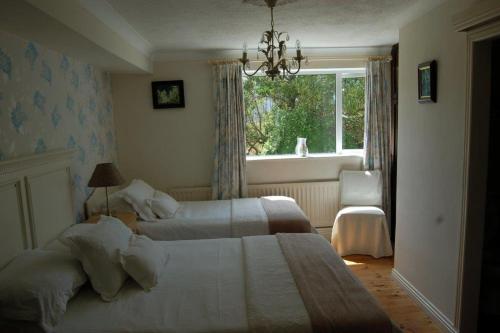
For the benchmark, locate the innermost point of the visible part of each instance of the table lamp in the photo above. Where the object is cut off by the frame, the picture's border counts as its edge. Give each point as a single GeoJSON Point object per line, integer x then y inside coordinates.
{"type": "Point", "coordinates": [105, 175]}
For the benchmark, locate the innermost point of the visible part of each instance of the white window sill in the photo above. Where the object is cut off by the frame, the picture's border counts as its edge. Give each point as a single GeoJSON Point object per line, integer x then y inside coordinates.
{"type": "Point", "coordinates": [345, 153]}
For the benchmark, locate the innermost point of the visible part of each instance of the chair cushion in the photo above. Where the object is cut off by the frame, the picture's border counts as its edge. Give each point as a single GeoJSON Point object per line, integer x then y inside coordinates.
{"type": "Point", "coordinates": [361, 230]}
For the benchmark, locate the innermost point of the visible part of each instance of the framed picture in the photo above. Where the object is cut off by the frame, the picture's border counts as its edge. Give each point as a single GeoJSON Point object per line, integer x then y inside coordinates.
{"type": "Point", "coordinates": [427, 82]}
{"type": "Point", "coordinates": [168, 94]}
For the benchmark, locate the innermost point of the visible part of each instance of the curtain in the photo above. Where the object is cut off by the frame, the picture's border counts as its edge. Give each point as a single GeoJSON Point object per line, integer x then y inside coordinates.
{"type": "Point", "coordinates": [229, 178]}
{"type": "Point", "coordinates": [377, 136]}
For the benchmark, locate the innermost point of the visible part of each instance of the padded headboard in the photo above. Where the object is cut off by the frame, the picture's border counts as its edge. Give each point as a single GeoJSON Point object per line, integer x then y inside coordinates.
{"type": "Point", "coordinates": [36, 201]}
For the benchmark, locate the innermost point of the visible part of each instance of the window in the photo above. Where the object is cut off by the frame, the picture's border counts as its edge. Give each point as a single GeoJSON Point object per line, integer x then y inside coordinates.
{"type": "Point", "coordinates": [325, 107]}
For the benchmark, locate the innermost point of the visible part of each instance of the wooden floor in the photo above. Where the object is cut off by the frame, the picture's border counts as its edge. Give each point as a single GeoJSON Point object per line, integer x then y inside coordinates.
{"type": "Point", "coordinates": [376, 276]}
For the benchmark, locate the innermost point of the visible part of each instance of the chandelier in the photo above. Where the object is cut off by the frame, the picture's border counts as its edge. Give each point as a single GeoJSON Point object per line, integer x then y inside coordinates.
{"type": "Point", "coordinates": [273, 46]}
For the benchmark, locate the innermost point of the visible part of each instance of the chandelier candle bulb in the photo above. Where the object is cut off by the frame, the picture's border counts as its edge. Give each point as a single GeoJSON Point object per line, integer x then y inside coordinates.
{"type": "Point", "coordinates": [244, 59]}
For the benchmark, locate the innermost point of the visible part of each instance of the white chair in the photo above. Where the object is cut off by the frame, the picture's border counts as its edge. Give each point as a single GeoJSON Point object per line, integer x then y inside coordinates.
{"type": "Point", "coordinates": [360, 226]}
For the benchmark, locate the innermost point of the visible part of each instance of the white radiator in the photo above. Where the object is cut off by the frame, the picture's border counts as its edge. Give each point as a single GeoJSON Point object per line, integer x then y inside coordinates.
{"type": "Point", "coordinates": [318, 200]}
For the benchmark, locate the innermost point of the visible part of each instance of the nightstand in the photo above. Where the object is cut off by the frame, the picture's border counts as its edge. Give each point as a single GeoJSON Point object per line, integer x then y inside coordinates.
{"type": "Point", "coordinates": [128, 218]}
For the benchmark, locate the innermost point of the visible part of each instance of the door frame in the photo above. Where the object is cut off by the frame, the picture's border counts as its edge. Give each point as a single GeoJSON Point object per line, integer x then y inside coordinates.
{"type": "Point", "coordinates": [481, 24]}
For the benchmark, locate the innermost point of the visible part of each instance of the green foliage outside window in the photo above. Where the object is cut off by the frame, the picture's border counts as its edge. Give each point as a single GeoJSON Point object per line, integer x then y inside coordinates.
{"type": "Point", "coordinates": [279, 111]}
{"type": "Point", "coordinates": [353, 116]}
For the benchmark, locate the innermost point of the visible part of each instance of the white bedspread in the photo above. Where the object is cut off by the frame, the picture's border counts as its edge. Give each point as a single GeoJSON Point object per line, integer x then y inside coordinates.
{"type": "Point", "coordinates": [248, 218]}
{"type": "Point", "coordinates": [218, 285]}
{"type": "Point", "coordinates": [197, 210]}
{"type": "Point", "coordinates": [274, 303]}
{"type": "Point", "coordinates": [201, 290]}
{"type": "Point", "coordinates": [210, 219]}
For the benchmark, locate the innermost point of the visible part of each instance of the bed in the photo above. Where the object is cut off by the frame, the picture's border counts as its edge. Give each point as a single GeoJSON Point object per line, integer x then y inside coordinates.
{"type": "Point", "coordinates": [217, 218]}
{"type": "Point", "coordinates": [236, 285]}
{"type": "Point", "coordinates": [278, 283]}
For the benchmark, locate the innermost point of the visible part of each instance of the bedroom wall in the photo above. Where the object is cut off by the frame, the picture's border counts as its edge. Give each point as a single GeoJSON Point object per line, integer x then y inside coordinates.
{"type": "Point", "coordinates": [430, 160]}
{"type": "Point", "coordinates": [51, 101]}
{"type": "Point", "coordinates": [165, 147]}
{"type": "Point", "coordinates": [174, 147]}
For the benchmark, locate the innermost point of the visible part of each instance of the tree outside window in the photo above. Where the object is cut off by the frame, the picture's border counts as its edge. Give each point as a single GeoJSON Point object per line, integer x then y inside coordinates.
{"type": "Point", "coordinates": [279, 111]}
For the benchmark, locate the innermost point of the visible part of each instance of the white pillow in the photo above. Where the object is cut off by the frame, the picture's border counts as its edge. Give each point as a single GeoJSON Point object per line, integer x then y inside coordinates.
{"type": "Point", "coordinates": [136, 194]}
{"type": "Point", "coordinates": [98, 249]}
{"type": "Point", "coordinates": [163, 205]}
{"type": "Point", "coordinates": [144, 260]}
{"type": "Point", "coordinates": [37, 285]}
{"type": "Point", "coordinates": [75, 229]}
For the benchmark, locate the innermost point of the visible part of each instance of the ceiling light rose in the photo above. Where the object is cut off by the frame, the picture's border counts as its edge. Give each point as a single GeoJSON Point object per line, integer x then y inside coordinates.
{"type": "Point", "coordinates": [273, 46]}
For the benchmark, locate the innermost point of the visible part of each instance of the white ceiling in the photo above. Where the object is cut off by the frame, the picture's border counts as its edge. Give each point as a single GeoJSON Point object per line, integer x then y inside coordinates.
{"type": "Point", "coordinates": [194, 25]}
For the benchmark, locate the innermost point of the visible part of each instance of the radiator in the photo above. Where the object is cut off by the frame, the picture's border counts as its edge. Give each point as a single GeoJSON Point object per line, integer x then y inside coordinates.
{"type": "Point", "coordinates": [318, 200]}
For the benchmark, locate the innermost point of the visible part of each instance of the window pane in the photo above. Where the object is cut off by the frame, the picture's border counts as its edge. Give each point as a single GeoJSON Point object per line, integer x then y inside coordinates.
{"type": "Point", "coordinates": [353, 112]}
{"type": "Point", "coordinates": [279, 111]}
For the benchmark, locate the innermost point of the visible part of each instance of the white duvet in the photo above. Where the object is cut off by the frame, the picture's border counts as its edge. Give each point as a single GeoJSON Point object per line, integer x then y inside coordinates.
{"type": "Point", "coordinates": [218, 285]}
{"type": "Point", "coordinates": [210, 219]}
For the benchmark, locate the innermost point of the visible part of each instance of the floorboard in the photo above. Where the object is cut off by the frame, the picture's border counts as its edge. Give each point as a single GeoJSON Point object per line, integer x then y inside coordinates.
{"type": "Point", "coordinates": [376, 276]}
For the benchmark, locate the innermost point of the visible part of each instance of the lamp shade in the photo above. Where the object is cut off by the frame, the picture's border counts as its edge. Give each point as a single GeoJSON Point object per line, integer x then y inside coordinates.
{"type": "Point", "coordinates": [105, 174]}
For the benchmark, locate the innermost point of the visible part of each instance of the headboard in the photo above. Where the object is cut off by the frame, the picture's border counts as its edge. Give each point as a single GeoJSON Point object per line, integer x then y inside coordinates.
{"type": "Point", "coordinates": [36, 201]}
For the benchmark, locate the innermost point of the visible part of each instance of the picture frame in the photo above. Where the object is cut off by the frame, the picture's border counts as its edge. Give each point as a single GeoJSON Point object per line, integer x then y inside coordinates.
{"type": "Point", "coordinates": [427, 82]}
{"type": "Point", "coordinates": [168, 94]}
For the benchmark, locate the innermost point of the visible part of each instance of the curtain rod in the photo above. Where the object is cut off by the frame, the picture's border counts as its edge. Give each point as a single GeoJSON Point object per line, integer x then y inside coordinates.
{"type": "Point", "coordinates": [381, 58]}
{"type": "Point", "coordinates": [310, 59]}
{"type": "Point", "coordinates": [223, 61]}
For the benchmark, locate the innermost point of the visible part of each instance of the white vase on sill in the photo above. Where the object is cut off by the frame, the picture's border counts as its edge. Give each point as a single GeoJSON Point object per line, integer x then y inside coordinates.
{"type": "Point", "coordinates": [301, 148]}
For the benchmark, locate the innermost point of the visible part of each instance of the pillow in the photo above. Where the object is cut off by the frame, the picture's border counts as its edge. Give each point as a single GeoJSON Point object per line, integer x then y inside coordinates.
{"type": "Point", "coordinates": [144, 261]}
{"type": "Point", "coordinates": [36, 286]}
{"type": "Point", "coordinates": [75, 229]}
{"type": "Point", "coordinates": [98, 249]}
{"type": "Point", "coordinates": [136, 194]}
{"type": "Point", "coordinates": [163, 205]}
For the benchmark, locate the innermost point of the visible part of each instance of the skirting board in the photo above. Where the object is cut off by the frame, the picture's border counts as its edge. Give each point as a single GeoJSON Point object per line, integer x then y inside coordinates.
{"type": "Point", "coordinates": [439, 318]}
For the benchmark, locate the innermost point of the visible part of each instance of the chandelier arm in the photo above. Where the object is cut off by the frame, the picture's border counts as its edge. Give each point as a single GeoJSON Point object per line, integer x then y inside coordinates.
{"type": "Point", "coordinates": [296, 72]}
{"type": "Point", "coordinates": [256, 71]}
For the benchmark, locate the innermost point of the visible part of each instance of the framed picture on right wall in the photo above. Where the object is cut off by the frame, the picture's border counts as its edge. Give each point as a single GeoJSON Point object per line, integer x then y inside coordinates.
{"type": "Point", "coordinates": [427, 82]}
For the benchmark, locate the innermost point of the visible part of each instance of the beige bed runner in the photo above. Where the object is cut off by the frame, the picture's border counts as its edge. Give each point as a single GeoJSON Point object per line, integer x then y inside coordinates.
{"type": "Point", "coordinates": [284, 215]}
{"type": "Point", "coordinates": [334, 298]}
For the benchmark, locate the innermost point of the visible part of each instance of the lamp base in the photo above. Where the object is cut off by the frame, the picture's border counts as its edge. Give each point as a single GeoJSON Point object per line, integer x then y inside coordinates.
{"type": "Point", "coordinates": [107, 202]}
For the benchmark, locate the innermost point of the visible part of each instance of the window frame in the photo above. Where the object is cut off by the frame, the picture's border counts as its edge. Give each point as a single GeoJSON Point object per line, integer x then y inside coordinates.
{"type": "Point", "coordinates": [339, 73]}
{"type": "Point", "coordinates": [339, 108]}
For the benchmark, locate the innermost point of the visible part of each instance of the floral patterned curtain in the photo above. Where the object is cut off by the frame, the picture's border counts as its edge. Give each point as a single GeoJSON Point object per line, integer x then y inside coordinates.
{"type": "Point", "coordinates": [229, 178]}
{"type": "Point", "coordinates": [378, 126]}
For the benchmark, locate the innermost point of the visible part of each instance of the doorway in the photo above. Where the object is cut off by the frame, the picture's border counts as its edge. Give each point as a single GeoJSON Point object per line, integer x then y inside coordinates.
{"type": "Point", "coordinates": [489, 297]}
{"type": "Point", "coordinates": [479, 304]}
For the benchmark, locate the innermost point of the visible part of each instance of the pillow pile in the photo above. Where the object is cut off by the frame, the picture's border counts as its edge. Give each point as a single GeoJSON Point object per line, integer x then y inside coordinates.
{"type": "Point", "coordinates": [98, 249]}
{"type": "Point", "coordinates": [163, 205]}
{"type": "Point", "coordinates": [136, 195]}
{"type": "Point", "coordinates": [37, 285]}
{"type": "Point", "coordinates": [148, 202]}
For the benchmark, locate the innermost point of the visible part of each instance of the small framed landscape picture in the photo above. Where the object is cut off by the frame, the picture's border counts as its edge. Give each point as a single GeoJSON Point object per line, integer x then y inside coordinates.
{"type": "Point", "coordinates": [168, 94]}
{"type": "Point", "coordinates": [427, 82]}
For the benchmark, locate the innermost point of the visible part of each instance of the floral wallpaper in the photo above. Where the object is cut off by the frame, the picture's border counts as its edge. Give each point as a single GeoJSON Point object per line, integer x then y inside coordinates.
{"type": "Point", "coordinates": [51, 101]}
